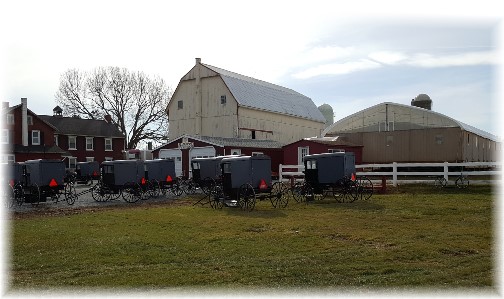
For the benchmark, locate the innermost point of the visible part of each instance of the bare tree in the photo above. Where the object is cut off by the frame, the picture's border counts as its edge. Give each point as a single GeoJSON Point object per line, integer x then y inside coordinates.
{"type": "Point", "coordinates": [135, 102]}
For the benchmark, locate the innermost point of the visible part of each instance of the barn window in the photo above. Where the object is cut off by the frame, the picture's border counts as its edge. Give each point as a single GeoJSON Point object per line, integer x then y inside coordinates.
{"type": "Point", "coordinates": [253, 135]}
{"type": "Point", "coordinates": [10, 119]}
{"type": "Point", "coordinates": [180, 105]}
{"type": "Point", "coordinates": [72, 142]}
{"type": "Point", "coordinates": [439, 139]}
{"type": "Point", "coordinates": [223, 100]}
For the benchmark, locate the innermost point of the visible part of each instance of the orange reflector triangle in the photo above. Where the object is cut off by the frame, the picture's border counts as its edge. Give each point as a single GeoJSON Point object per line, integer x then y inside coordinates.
{"type": "Point", "coordinates": [143, 181]}
{"type": "Point", "coordinates": [95, 173]}
{"type": "Point", "coordinates": [263, 185]}
{"type": "Point", "coordinates": [169, 178]}
{"type": "Point", "coordinates": [53, 183]}
{"type": "Point", "coordinates": [353, 176]}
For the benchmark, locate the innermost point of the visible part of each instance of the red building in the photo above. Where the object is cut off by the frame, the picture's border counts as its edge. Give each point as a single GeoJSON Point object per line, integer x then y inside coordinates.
{"type": "Point", "coordinates": [186, 147]}
{"type": "Point", "coordinates": [31, 136]}
{"type": "Point", "coordinates": [293, 153]}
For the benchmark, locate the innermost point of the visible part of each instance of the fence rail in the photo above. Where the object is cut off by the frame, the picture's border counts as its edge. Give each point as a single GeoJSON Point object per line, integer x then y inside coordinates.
{"type": "Point", "coordinates": [392, 170]}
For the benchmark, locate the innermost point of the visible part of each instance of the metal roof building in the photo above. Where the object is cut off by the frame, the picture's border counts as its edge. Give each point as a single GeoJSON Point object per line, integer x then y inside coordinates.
{"type": "Point", "coordinates": [210, 101]}
{"type": "Point", "coordinates": [392, 132]}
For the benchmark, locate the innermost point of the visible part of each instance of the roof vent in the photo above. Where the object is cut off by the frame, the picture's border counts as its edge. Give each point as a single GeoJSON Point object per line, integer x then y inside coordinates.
{"type": "Point", "coordinates": [422, 101]}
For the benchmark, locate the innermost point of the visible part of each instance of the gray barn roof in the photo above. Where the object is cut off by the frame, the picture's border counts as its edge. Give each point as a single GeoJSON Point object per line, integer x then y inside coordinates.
{"type": "Point", "coordinates": [261, 95]}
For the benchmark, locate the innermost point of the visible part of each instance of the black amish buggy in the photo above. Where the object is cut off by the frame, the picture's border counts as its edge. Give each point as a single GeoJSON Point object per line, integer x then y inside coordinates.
{"type": "Point", "coordinates": [86, 172]}
{"type": "Point", "coordinates": [41, 179]}
{"type": "Point", "coordinates": [245, 179]}
{"type": "Point", "coordinates": [161, 177]}
{"type": "Point", "coordinates": [206, 172]}
{"type": "Point", "coordinates": [331, 173]}
{"type": "Point", "coordinates": [120, 178]}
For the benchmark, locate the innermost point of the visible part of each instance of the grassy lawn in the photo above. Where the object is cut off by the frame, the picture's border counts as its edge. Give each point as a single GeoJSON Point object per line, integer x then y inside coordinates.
{"type": "Point", "coordinates": [413, 238]}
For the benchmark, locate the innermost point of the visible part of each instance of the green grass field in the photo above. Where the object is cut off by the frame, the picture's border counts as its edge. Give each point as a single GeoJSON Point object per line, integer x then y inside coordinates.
{"type": "Point", "coordinates": [412, 238]}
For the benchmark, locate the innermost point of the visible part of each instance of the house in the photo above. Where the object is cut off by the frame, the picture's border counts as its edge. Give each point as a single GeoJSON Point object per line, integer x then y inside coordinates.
{"type": "Point", "coordinates": [26, 136]}
{"type": "Point", "coordinates": [293, 153]}
{"type": "Point", "coordinates": [86, 139]}
{"type": "Point", "coordinates": [213, 102]}
{"type": "Point", "coordinates": [392, 132]}
{"type": "Point", "coordinates": [186, 147]}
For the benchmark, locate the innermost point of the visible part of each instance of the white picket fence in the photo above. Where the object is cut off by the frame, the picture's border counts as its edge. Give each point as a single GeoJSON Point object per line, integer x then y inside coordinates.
{"type": "Point", "coordinates": [286, 173]}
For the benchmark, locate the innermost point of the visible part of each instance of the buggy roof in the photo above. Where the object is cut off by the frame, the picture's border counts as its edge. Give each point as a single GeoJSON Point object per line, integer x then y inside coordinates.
{"type": "Point", "coordinates": [326, 155]}
{"type": "Point", "coordinates": [244, 158]}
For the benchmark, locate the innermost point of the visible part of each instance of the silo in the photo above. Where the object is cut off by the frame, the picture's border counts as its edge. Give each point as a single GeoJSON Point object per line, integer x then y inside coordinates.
{"type": "Point", "coordinates": [328, 113]}
{"type": "Point", "coordinates": [423, 101]}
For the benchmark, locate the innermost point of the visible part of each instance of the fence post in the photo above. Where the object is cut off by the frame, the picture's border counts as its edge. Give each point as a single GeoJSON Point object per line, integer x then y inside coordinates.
{"type": "Point", "coordinates": [445, 170]}
{"type": "Point", "coordinates": [394, 174]}
{"type": "Point", "coordinates": [280, 168]}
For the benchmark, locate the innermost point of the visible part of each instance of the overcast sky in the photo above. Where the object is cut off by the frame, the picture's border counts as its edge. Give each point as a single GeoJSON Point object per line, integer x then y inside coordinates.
{"type": "Point", "coordinates": [350, 57]}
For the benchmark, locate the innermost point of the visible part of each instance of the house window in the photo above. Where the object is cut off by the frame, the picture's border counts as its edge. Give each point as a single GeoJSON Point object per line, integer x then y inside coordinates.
{"type": "Point", "coordinates": [89, 159]}
{"type": "Point", "coordinates": [56, 142]}
{"type": "Point", "coordinates": [108, 144]}
{"type": "Point", "coordinates": [223, 100]}
{"type": "Point", "coordinates": [35, 137]}
{"type": "Point", "coordinates": [335, 150]}
{"type": "Point", "coordinates": [180, 105]}
{"type": "Point", "coordinates": [10, 119]}
{"type": "Point", "coordinates": [109, 158]}
{"type": "Point", "coordinates": [72, 142]}
{"type": "Point", "coordinates": [89, 143]}
{"type": "Point", "coordinates": [257, 153]}
{"type": "Point", "coordinates": [29, 118]}
{"type": "Point", "coordinates": [72, 162]}
{"type": "Point", "coordinates": [236, 151]}
{"type": "Point", "coordinates": [439, 139]}
{"type": "Point", "coordinates": [302, 151]}
{"type": "Point", "coordinates": [4, 138]}
{"type": "Point", "coordinates": [8, 158]}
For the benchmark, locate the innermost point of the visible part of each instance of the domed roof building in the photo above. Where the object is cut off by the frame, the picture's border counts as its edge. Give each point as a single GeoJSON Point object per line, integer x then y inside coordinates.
{"type": "Point", "coordinates": [392, 132]}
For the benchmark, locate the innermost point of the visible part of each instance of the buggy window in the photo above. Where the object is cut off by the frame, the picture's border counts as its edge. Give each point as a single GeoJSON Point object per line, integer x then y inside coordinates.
{"type": "Point", "coordinates": [226, 167]}
{"type": "Point", "coordinates": [311, 164]}
{"type": "Point", "coordinates": [195, 165]}
{"type": "Point", "coordinates": [108, 169]}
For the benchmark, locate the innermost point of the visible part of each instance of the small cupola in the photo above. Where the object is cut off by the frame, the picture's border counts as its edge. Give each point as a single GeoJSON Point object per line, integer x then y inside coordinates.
{"type": "Point", "coordinates": [57, 111]}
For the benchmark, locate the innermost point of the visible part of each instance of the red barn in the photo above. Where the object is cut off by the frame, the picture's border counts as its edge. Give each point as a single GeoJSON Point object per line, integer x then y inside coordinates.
{"type": "Point", "coordinates": [186, 147]}
{"type": "Point", "coordinates": [293, 153]}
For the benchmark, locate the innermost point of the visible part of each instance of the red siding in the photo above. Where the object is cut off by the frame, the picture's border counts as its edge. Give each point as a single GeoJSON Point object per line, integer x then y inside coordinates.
{"type": "Point", "coordinates": [290, 151]}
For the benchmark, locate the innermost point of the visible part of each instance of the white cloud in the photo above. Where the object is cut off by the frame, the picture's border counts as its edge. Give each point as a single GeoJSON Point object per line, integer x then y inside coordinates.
{"type": "Point", "coordinates": [337, 68]}
{"type": "Point", "coordinates": [388, 57]}
{"type": "Point", "coordinates": [462, 59]}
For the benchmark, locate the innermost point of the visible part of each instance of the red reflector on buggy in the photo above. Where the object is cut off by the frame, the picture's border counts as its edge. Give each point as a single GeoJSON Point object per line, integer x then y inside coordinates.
{"type": "Point", "coordinates": [11, 183]}
{"type": "Point", "coordinates": [353, 176]}
{"type": "Point", "coordinates": [143, 181]}
{"type": "Point", "coordinates": [263, 185]}
{"type": "Point", "coordinates": [95, 173]}
{"type": "Point", "coordinates": [53, 183]}
{"type": "Point", "coordinates": [169, 178]}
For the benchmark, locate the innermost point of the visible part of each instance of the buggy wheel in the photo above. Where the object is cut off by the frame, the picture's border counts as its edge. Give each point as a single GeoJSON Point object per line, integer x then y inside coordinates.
{"type": "Point", "coordinates": [246, 197]}
{"type": "Point", "coordinates": [19, 194]}
{"type": "Point", "coordinates": [176, 189]}
{"type": "Point", "coordinates": [365, 187]}
{"type": "Point", "coordinates": [462, 182]}
{"type": "Point", "coordinates": [132, 192]}
{"type": "Point", "coordinates": [351, 191]}
{"type": "Point", "coordinates": [190, 187]}
{"type": "Point", "coordinates": [207, 185]}
{"type": "Point", "coordinates": [278, 196]}
{"type": "Point", "coordinates": [154, 188]}
{"type": "Point", "coordinates": [216, 197]}
{"type": "Point", "coordinates": [298, 192]}
{"type": "Point", "coordinates": [70, 193]}
{"type": "Point", "coordinates": [100, 193]}
{"type": "Point", "coordinates": [35, 194]}
{"type": "Point", "coordinates": [440, 182]}
{"type": "Point", "coordinates": [308, 192]}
